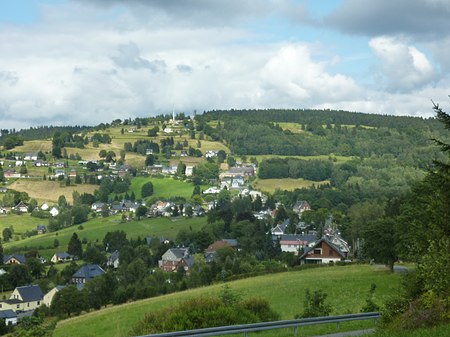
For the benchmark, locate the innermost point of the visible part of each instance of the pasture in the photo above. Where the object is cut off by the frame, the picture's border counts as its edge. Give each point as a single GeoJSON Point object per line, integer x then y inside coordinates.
{"type": "Point", "coordinates": [95, 229]}
{"type": "Point", "coordinates": [346, 286]}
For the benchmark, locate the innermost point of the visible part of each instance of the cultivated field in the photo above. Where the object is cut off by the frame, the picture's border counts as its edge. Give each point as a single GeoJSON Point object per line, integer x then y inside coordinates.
{"type": "Point", "coordinates": [45, 190]}
{"type": "Point", "coordinates": [347, 288]}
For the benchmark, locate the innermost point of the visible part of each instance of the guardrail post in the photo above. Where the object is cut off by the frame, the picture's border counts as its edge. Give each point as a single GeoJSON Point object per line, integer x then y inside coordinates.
{"type": "Point", "coordinates": [296, 331]}
{"type": "Point", "coordinates": [338, 325]}
{"type": "Point", "coordinates": [245, 334]}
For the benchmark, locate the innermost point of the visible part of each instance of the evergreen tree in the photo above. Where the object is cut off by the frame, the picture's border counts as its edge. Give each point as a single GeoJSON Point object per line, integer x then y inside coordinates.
{"type": "Point", "coordinates": [74, 247]}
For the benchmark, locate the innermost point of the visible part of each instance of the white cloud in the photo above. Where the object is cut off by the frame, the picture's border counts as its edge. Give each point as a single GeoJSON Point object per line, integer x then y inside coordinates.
{"type": "Point", "coordinates": [74, 68]}
{"type": "Point", "coordinates": [293, 74]}
{"type": "Point", "coordinates": [403, 67]}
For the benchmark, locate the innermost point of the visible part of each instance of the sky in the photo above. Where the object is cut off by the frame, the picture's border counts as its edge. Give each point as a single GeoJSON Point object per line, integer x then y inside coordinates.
{"type": "Point", "coordinates": [84, 62]}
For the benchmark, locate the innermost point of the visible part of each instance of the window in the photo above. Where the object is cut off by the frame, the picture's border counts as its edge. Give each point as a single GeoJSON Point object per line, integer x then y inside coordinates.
{"type": "Point", "coordinates": [39, 303]}
{"type": "Point", "coordinates": [318, 251]}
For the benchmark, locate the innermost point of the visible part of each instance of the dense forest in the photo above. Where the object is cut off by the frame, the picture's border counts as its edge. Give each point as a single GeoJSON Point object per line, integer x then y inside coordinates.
{"type": "Point", "coordinates": [257, 132]}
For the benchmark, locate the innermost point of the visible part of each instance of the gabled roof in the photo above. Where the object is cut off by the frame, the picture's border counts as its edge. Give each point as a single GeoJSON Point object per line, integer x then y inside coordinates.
{"type": "Point", "coordinates": [5, 314]}
{"type": "Point", "coordinates": [18, 257]}
{"type": "Point", "coordinates": [333, 246]}
{"type": "Point", "coordinates": [179, 252]}
{"type": "Point", "coordinates": [30, 293]}
{"type": "Point", "coordinates": [89, 272]}
{"type": "Point", "coordinates": [63, 255]}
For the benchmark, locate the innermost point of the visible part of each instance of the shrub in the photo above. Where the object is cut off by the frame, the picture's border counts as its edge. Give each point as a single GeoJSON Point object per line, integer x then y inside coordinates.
{"type": "Point", "coordinates": [203, 312]}
{"type": "Point", "coordinates": [314, 304]}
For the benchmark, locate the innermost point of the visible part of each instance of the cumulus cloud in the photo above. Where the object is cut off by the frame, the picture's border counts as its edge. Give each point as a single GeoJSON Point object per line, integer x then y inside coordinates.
{"type": "Point", "coordinates": [86, 64]}
{"type": "Point", "coordinates": [129, 57]}
{"type": "Point", "coordinates": [402, 67]}
{"type": "Point", "coordinates": [292, 74]}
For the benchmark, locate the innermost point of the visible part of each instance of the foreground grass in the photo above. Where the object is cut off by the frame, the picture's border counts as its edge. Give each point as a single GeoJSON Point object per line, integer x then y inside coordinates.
{"type": "Point", "coordinates": [347, 289]}
{"type": "Point", "coordinates": [437, 331]}
{"type": "Point", "coordinates": [96, 229]}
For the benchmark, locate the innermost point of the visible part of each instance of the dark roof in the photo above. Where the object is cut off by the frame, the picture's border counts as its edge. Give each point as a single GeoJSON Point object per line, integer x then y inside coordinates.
{"type": "Point", "coordinates": [180, 252]}
{"type": "Point", "coordinates": [295, 237]}
{"type": "Point", "coordinates": [336, 248]}
{"type": "Point", "coordinates": [89, 272]}
{"type": "Point", "coordinates": [63, 255]}
{"type": "Point", "coordinates": [18, 257]}
{"type": "Point", "coordinates": [7, 314]}
{"type": "Point", "coordinates": [30, 293]}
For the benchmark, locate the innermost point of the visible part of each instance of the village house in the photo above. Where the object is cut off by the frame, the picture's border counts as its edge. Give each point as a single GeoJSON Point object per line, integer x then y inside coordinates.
{"type": "Point", "coordinates": [87, 273]}
{"type": "Point", "coordinates": [175, 258]}
{"type": "Point", "coordinates": [30, 156]}
{"type": "Point", "coordinates": [54, 211]}
{"type": "Point", "coordinates": [293, 243]}
{"type": "Point", "coordinates": [113, 260]}
{"type": "Point", "coordinates": [243, 171]}
{"type": "Point", "coordinates": [61, 257]}
{"type": "Point", "coordinates": [322, 252]}
{"type": "Point", "coordinates": [48, 297]}
{"type": "Point", "coordinates": [24, 298]}
{"type": "Point", "coordinates": [21, 207]}
{"type": "Point", "coordinates": [301, 206]}
{"type": "Point", "coordinates": [41, 229]}
{"type": "Point", "coordinates": [9, 317]}
{"type": "Point", "coordinates": [14, 259]}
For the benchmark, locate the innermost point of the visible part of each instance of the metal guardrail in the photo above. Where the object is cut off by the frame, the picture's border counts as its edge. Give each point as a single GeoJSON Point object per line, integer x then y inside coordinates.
{"type": "Point", "coordinates": [246, 328]}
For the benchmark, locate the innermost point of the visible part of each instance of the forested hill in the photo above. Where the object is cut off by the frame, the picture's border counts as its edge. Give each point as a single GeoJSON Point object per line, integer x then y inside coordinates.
{"type": "Point", "coordinates": [339, 117]}
{"type": "Point", "coordinates": [321, 132]}
{"type": "Point", "coordinates": [41, 132]}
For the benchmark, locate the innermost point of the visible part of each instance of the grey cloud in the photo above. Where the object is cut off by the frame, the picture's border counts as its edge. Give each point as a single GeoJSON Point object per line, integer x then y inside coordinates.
{"type": "Point", "coordinates": [194, 12]}
{"type": "Point", "coordinates": [184, 68]}
{"type": "Point", "coordinates": [9, 78]}
{"type": "Point", "coordinates": [422, 19]}
{"type": "Point", "coordinates": [129, 57]}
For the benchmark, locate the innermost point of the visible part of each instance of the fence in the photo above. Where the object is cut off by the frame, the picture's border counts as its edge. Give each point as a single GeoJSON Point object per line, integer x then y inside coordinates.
{"type": "Point", "coordinates": [247, 328]}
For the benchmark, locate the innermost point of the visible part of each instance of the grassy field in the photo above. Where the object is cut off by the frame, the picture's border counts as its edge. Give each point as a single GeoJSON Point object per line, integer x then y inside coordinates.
{"type": "Point", "coordinates": [33, 146]}
{"type": "Point", "coordinates": [46, 190]}
{"type": "Point", "coordinates": [20, 223]}
{"type": "Point", "coordinates": [293, 127]}
{"type": "Point", "coordinates": [163, 187]}
{"type": "Point", "coordinates": [271, 185]}
{"type": "Point", "coordinates": [347, 288]}
{"type": "Point", "coordinates": [96, 229]}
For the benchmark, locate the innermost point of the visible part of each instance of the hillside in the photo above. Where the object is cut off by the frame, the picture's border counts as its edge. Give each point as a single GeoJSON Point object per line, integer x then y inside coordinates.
{"type": "Point", "coordinates": [347, 288]}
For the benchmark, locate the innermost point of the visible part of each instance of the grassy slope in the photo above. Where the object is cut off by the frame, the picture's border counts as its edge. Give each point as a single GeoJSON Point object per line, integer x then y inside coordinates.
{"type": "Point", "coordinates": [163, 187]}
{"type": "Point", "coordinates": [347, 288]}
{"type": "Point", "coordinates": [20, 223]}
{"type": "Point", "coordinates": [97, 228]}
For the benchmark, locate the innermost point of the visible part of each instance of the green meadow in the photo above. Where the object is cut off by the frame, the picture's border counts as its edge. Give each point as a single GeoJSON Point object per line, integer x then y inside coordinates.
{"type": "Point", "coordinates": [96, 229]}
{"type": "Point", "coordinates": [347, 288]}
{"type": "Point", "coordinates": [163, 188]}
{"type": "Point", "coordinates": [20, 223]}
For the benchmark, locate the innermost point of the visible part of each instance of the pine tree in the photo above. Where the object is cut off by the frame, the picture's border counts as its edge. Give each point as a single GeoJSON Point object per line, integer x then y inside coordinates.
{"type": "Point", "coordinates": [74, 247]}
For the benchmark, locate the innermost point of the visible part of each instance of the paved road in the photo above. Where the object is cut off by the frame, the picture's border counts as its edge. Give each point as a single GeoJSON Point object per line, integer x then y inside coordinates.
{"type": "Point", "coordinates": [350, 333]}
